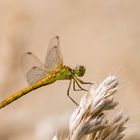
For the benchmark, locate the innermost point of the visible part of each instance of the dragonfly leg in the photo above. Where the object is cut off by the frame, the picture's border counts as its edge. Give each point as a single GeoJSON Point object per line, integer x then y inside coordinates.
{"type": "Point", "coordinates": [82, 82]}
{"type": "Point", "coordinates": [68, 94]}
{"type": "Point", "coordinates": [76, 81]}
{"type": "Point", "coordinates": [74, 87]}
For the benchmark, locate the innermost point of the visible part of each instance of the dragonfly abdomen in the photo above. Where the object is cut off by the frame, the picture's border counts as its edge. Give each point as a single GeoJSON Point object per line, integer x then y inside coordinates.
{"type": "Point", "coordinates": [15, 96]}
{"type": "Point", "coordinates": [63, 74]}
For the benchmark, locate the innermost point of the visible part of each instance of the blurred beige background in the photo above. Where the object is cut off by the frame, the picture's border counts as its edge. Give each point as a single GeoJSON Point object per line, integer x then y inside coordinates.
{"type": "Point", "coordinates": [102, 35]}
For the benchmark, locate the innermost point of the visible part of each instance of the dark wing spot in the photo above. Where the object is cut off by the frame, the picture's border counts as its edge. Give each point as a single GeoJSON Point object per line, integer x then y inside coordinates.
{"type": "Point", "coordinates": [34, 67]}
{"type": "Point", "coordinates": [57, 37]}
{"type": "Point", "coordinates": [29, 53]}
{"type": "Point", "coordinates": [55, 47]}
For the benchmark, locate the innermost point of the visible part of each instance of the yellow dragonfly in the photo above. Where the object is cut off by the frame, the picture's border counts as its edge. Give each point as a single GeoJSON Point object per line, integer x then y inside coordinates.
{"type": "Point", "coordinates": [39, 74]}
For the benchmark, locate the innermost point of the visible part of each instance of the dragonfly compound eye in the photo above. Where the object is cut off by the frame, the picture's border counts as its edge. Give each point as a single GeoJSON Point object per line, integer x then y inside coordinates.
{"type": "Point", "coordinates": [80, 70]}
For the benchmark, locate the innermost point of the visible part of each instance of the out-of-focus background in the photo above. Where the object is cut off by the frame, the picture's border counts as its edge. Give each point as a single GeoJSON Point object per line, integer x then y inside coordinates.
{"type": "Point", "coordinates": [102, 35]}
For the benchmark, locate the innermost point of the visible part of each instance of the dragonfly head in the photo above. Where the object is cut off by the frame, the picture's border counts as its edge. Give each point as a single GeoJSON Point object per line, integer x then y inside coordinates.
{"type": "Point", "coordinates": [79, 70]}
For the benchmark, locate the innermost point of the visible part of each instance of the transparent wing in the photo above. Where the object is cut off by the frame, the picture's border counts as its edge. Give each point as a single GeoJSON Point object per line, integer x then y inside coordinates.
{"type": "Point", "coordinates": [34, 70]}
{"type": "Point", "coordinates": [54, 58]}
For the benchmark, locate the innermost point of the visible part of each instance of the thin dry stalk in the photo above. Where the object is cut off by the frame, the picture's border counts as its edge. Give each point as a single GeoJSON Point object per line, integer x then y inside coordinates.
{"type": "Point", "coordinates": [90, 121]}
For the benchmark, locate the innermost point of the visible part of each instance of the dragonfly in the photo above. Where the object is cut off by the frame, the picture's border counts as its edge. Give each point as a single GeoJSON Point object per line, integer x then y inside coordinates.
{"type": "Point", "coordinates": [40, 74]}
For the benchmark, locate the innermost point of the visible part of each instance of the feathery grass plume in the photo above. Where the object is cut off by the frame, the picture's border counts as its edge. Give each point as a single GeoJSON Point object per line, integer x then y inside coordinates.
{"type": "Point", "coordinates": [55, 138]}
{"type": "Point", "coordinates": [90, 121]}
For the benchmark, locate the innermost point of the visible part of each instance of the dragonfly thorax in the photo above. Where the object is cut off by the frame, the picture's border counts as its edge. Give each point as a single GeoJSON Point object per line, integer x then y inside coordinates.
{"type": "Point", "coordinates": [79, 70]}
